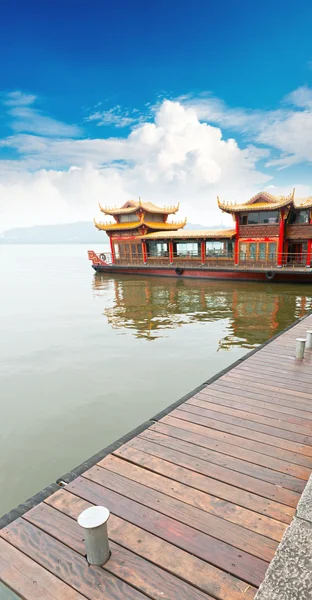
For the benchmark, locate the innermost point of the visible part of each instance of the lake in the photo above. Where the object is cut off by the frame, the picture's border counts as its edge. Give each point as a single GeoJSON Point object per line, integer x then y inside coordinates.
{"type": "Point", "coordinates": [84, 358]}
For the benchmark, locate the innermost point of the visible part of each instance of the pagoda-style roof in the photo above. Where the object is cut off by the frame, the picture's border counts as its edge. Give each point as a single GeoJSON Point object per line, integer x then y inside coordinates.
{"type": "Point", "coordinates": [187, 234]}
{"type": "Point", "coordinates": [303, 202]}
{"type": "Point", "coordinates": [132, 206]}
{"type": "Point", "coordinates": [260, 202]}
{"type": "Point", "coordinates": [136, 224]}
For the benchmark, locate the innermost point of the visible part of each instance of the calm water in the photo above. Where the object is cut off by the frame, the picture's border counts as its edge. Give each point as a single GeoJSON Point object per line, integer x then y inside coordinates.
{"type": "Point", "coordinates": [85, 358]}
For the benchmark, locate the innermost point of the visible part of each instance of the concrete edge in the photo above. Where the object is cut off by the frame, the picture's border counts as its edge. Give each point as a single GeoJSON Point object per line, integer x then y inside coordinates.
{"type": "Point", "coordinates": [304, 508]}
{"type": "Point", "coordinates": [289, 573]}
{"type": "Point", "coordinates": [22, 508]}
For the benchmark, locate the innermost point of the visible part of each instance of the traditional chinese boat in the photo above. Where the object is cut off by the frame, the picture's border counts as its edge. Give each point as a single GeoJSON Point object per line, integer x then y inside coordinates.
{"type": "Point", "coordinates": [271, 240]}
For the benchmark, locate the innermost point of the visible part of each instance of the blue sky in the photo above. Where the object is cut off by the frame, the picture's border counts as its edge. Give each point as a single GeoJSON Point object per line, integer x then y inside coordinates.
{"type": "Point", "coordinates": [171, 100]}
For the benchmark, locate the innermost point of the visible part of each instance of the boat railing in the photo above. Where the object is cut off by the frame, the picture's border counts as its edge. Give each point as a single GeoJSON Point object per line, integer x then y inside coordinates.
{"type": "Point", "coordinates": [222, 260]}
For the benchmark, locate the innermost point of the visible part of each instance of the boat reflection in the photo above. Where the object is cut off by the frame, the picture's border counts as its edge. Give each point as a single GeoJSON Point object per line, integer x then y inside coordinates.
{"type": "Point", "coordinates": [252, 313]}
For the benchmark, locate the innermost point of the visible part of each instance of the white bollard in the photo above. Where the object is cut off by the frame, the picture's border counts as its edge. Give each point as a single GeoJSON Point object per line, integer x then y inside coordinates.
{"type": "Point", "coordinates": [309, 340]}
{"type": "Point", "coordinates": [300, 347]}
{"type": "Point", "coordinates": [94, 522]}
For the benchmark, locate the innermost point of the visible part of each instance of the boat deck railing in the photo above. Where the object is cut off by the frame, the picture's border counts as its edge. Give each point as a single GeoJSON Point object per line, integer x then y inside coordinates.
{"type": "Point", "coordinates": [289, 261]}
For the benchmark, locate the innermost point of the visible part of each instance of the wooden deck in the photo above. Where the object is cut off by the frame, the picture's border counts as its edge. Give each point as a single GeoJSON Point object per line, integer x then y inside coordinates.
{"type": "Point", "coordinates": [199, 501]}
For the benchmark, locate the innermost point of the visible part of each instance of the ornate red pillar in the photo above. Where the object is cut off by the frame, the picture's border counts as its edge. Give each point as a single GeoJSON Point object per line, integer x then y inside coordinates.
{"type": "Point", "coordinates": [308, 262]}
{"type": "Point", "coordinates": [171, 252]}
{"type": "Point", "coordinates": [112, 249]}
{"type": "Point", "coordinates": [236, 243]}
{"type": "Point", "coordinates": [203, 251]}
{"type": "Point", "coordinates": [144, 252]}
{"type": "Point", "coordinates": [281, 239]}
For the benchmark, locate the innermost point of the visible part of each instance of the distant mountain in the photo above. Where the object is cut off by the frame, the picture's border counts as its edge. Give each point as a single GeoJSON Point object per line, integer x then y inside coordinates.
{"type": "Point", "coordinates": [197, 226]}
{"type": "Point", "coordinates": [83, 232]}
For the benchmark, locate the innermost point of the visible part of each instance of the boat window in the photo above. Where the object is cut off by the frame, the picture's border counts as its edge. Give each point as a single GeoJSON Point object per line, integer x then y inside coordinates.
{"type": "Point", "coordinates": [116, 250]}
{"type": "Point", "coordinates": [157, 248]}
{"type": "Point", "coordinates": [229, 248]}
{"type": "Point", "coordinates": [269, 216]}
{"type": "Point", "coordinates": [253, 218]}
{"type": "Point", "coordinates": [272, 251]}
{"type": "Point", "coordinates": [299, 216]}
{"type": "Point", "coordinates": [242, 251]}
{"type": "Point", "coordinates": [214, 248]}
{"type": "Point", "coordinates": [262, 250]}
{"type": "Point", "coordinates": [188, 249]}
{"type": "Point", "coordinates": [252, 251]}
{"type": "Point", "coordinates": [132, 218]}
{"type": "Point", "coordinates": [154, 217]}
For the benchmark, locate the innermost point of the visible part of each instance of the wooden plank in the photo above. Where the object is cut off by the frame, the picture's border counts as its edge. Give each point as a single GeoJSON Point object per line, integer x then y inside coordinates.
{"type": "Point", "coordinates": [243, 432]}
{"type": "Point", "coordinates": [235, 451]}
{"type": "Point", "coordinates": [237, 562]}
{"type": "Point", "coordinates": [235, 440]}
{"type": "Point", "coordinates": [207, 503]}
{"type": "Point", "coordinates": [269, 510]}
{"type": "Point", "coordinates": [243, 415]}
{"type": "Point", "coordinates": [193, 457]}
{"type": "Point", "coordinates": [298, 379]}
{"type": "Point", "coordinates": [131, 568]}
{"type": "Point", "coordinates": [299, 400]}
{"type": "Point", "coordinates": [289, 366]}
{"type": "Point", "coordinates": [296, 406]}
{"type": "Point", "coordinates": [286, 363]}
{"type": "Point", "coordinates": [235, 464]}
{"type": "Point", "coordinates": [278, 382]}
{"type": "Point", "coordinates": [202, 401]}
{"type": "Point", "coordinates": [197, 572]}
{"type": "Point", "coordinates": [237, 536]}
{"type": "Point", "coordinates": [30, 581]}
{"type": "Point", "coordinates": [92, 582]}
{"type": "Point", "coordinates": [249, 424]}
{"type": "Point", "coordinates": [264, 406]}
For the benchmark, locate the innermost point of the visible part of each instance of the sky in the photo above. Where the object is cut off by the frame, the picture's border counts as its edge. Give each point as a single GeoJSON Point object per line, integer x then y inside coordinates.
{"type": "Point", "coordinates": [170, 101]}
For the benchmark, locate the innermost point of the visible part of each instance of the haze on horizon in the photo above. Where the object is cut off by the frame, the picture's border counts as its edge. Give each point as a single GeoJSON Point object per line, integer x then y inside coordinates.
{"type": "Point", "coordinates": [179, 103]}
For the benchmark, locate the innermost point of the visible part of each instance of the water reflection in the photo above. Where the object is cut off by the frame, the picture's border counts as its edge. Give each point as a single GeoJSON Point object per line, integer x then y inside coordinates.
{"type": "Point", "coordinates": [252, 312]}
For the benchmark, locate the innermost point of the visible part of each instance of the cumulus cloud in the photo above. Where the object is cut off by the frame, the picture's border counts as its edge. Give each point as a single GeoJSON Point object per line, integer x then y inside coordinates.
{"type": "Point", "coordinates": [181, 155]}
{"type": "Point", "coordinates": [288, 129]}
{"type": "Point", "coordinates": [175, 158]}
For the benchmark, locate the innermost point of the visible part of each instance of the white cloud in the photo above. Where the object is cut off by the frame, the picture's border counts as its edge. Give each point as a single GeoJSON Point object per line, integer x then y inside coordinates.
{"type": "Point", "coordinates": [24, 118]}
{"type": "Point", "coordinates": [287, 129]}
{"type": "Point", "coordinates": [175, 158]}
{"type": "Point", "coordinates": [115, 116]}
{"type": "Point", "coordinates": [18, 99]}
{"type": "Point", "coordinates": [181, 156]}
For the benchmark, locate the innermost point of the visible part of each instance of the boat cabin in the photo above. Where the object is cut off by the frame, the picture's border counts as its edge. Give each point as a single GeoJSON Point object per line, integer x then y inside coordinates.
{"type": "Point", "coordinates": [268, 232]}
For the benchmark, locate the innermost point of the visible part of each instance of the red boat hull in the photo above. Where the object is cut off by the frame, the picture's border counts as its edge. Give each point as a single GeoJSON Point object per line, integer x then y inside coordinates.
{"type": "Point", "coordinates": [238, 274]}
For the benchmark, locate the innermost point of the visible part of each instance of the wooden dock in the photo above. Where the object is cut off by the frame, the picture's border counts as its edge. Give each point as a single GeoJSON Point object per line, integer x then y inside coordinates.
{"type": "Point", "coordinates": [199, 500]}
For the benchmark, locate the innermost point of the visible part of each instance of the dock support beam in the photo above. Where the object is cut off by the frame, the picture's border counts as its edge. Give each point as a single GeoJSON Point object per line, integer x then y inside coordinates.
{"type": "Point", "coordinates": [300, 348]}
{"type": "Point", "coordinates": [93, 520]}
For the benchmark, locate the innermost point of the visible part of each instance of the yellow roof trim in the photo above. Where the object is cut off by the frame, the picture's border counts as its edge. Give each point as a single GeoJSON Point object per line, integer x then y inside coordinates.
{"type": "Point", "coordinates": [303, 202]}
{"type": "Point", "coordinates": [261, 201]}
{"type": "Point", "coordinates": [135, 205]}
{"type": "Point", "coordinates": [136, 224]}
{"type": "Point", "coordinates": [190, 234]}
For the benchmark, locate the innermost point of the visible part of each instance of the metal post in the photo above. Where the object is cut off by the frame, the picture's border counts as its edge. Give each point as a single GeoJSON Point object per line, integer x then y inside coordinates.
{"type": "Point", "coordinates": [300, 347]}
{"type": "Point", "coordinates": [309, 340]}
{"type": "Point", "coordinates": [93, 520]}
